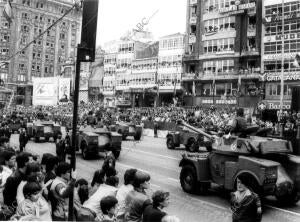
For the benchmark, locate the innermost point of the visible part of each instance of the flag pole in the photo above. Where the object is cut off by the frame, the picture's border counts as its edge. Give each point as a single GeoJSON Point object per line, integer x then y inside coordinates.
{"type": "Point", "coordinates": [282, 59]}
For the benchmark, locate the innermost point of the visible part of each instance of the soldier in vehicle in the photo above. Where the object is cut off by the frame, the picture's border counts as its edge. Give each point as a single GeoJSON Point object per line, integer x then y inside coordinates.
{"type": "Point", "coordinates": [239, 124]}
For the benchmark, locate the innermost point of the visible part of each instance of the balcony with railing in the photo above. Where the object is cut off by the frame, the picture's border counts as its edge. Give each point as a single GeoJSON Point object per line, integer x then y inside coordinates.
{"type": "Point", "coordinates": [250, 51]}
{"type": "Point", "coordinates": [193, 19]}
{"type": "Point", "coordinates": [251, 32]}
{"type": "Point", "coordinates": [193, 2]}
{"type": "Point", "coordinates": [192, 39]}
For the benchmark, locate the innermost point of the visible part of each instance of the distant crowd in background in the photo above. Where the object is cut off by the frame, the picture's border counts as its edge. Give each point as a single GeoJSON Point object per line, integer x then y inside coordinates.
{"type": "Point", "coordinates": [212, 117]}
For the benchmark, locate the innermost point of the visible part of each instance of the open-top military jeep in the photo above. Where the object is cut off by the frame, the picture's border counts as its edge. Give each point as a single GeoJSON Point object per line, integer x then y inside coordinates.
{"type": "Point", "coordinates": [127, 129]}
{"type": "Point", "coordinates": [268, 163]}
{"type": "Point", "coordinates": [92, 141]}
{"type": "Point", "coordinates": [187, 135]}
{"type": "Point", "coordinates": [43, 129]}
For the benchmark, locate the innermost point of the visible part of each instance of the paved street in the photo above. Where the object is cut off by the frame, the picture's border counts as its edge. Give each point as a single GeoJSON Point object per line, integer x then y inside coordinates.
{"type": "Point", "coordinates": [151, 155]}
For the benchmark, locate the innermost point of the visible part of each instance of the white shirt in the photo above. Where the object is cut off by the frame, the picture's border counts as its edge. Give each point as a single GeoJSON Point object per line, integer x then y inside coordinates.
{"type": "Point", "coordinates": [20, 194]}
{"type": "Point", "coordinates": [121, 196]}
{"type": "Point", "coordinates": [93, 203]}
{"type": "Point", "coordinates": [5, 174]}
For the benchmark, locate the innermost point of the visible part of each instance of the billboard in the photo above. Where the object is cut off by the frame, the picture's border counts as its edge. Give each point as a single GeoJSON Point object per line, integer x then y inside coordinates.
{"type": "Point", "coordinates": [45, 91]}
{"type": "Point", "coordinates": [64, 89]}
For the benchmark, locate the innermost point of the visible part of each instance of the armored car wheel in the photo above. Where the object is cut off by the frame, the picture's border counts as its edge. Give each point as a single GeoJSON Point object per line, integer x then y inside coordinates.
{"type": "Point", "coordinates": [188, 179]}
{"type": "Point", "coordinates": [170, 143]}
{"type": "Point", "coordinates": [192, 145]}
{"type": "Point", "coordinates": [84, 151]}
{"type": "Point", "coordinates": [288, 199]}
{"type": "Point", "coordinates": [137, 136]}
{"type": "Point", "coordinates": [116, 154]}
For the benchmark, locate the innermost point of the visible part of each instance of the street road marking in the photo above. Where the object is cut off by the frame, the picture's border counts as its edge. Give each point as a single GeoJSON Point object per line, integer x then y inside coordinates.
{"type": "Point", "coordinates": [170, 178]}
{"type": "Point", "coordinates": [191, 198]}
{"type": "Point", "coordinates": [283, 210]}
{"type": "Point", "coordinates": [158, 155]}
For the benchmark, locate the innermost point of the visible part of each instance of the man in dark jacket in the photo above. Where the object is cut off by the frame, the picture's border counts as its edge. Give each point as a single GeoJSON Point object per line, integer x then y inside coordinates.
{"type": "Point", "coordinates": [23, 139]}
{"type": "Point", "coordinates": [160, 200]}
{"type": "Point", "coordinates": [12, 183]}
{"type": "Point", "coordinates": [61, 149]}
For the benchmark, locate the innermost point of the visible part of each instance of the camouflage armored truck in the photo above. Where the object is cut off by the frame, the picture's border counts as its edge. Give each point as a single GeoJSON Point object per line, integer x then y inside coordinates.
{"type": "Point", "coordinates": [268, 163]}
{"type": "Point", "coordinates": [92, 141]}
{"type": "Point", "coordinates": [127, 129]}
{"type": "Point", "coordinates": [43, 129]}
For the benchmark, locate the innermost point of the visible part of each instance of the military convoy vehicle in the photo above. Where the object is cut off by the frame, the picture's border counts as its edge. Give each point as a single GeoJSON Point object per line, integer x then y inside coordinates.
{"type": "Point", "coordinates": [43, 129]}
{"type": "Point", "coordinates": [127, 129]}
{"type": "Point", "coordinates": [267, 162]}
{"type": "Point", "coordinates": [188, 137]}
{"type": "Point", "coordinates": [92, 141]}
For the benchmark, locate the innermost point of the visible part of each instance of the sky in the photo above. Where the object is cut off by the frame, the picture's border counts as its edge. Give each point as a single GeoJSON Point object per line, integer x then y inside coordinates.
{"type": "Point", "coordinates": [115, 17]}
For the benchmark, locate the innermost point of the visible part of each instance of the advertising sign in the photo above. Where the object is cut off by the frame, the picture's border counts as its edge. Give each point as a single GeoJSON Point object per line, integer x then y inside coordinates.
{"type": "Point", "coordinates": [237, 8]}
{"type": "Point", "coordinates": [290, 36]}
{"type": "Point", "coordinates": [64, 89]}
{"type": "Point", "coordinates": [45, 91]}
{"type": "Point", "coordinates": [291, 76]}
{"type": "Point", "coordinates": [278, 18]}
{"type": "Point", "coordinates": [275, 104]}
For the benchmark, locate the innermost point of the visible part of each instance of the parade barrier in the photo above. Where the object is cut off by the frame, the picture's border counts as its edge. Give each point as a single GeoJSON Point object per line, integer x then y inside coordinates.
{"type": "Point", "coordinates": [160, 133]}
{"type": "Point", "coordinates": [169, 126]}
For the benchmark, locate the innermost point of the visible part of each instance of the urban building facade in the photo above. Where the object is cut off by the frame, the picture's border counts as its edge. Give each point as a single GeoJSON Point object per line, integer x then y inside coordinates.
{"type": "Point", "coordinates": [223, 52]}
{"type": "Point", "coordinates": [47, 56]}
{"type": "Point", "coordinates": [273, 35]}
{"type": "Point", "coordinates": [170, 55]}
{"type": "Point", "coordinates": [143, 73]}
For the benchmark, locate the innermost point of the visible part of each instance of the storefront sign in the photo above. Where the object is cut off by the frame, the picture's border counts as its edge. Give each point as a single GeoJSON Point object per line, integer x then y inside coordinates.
{"type": "Point", "coordinates": [278, 56]}
{"type": "Point", "coordinates": [293, 76]}
{"type": "Point", "coordinates": [278, 18]}
{"type": "Point", "coordinates": [290, 36]}
{"type": "Point", "coordinates": [237, 9]}
{"type": "Point", "coordinates": [276, 105]}
{"type": "Point", "coordinates": [207, 101]}
{"type": "Point", "coordinates": [225, 101]}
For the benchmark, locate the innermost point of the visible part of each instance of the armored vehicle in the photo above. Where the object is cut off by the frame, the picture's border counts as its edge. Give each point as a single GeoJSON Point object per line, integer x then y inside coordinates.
{"type": "Point", "coordinates": [43, 129]}
{"type": "Point", "coordinates": [267, 162]}
{"type": "Point", "coordinates": [91, 141]}
{"type": "Point", "coordinates": [187, 136]}
{"type": "Point", "coordinates": [127, 129]}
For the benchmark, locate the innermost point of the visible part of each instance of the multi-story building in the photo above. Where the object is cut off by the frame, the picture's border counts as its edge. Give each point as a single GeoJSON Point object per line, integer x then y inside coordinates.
{"type": "Point", "coordinates": [170, 54]}
{"type": "Point", "coordinates": [110, 64]}
{"type": "Point", "coordinates": [223, 52]}
{"type": "Point", "coordinates": [124, 59]}
{"type": "Point", "coordinates": [144, 76]}
{"type": "Point", "coordinates": [46, 56]}
{"type": "Point", "coordinates": [272, 58]}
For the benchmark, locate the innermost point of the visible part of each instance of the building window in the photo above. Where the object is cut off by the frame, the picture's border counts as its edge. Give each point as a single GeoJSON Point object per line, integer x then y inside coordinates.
{"type": "Point", "coordinates": [275, 90]}
{"type": "Point", "coordinates": [220, 45]}
{"type": "Point", "coordinates": [218, 67]}
{"type": "Point", "coordinates": [3, 76]}
{"type": "Point", "coordinates": [4, 51]}
{"type": "Point", "coordinates": [24, 28]}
